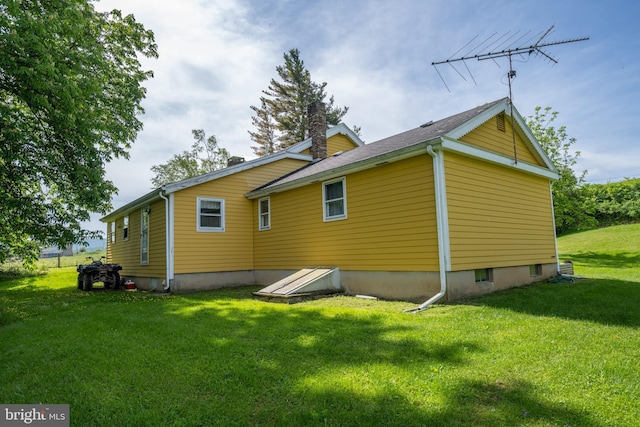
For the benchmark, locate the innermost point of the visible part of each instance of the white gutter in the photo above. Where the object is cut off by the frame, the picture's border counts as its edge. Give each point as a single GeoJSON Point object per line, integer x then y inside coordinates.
{"type": "Point", "coordinates": [167, 242]}
{"type": "Point", "coordinates": [443, 228]}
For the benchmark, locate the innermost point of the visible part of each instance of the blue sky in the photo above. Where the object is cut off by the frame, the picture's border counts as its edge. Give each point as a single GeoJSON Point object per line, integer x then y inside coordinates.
{"type": "Point", "coordinates": [217, 56]}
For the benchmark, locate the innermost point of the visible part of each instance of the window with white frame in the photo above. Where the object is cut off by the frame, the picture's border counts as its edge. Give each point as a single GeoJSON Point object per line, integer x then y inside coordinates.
{"type": "Point", "coordinates": [210, 214]}
{"type": "Point", "coordinates": [334, 199]}
{"type": "Point", "coordinates": [113, 232]}
{"type": "Point", "coordinates": [144, 236]}
{"type": "Point", "coordinates": [264, 213]}
{"type": "Point", "coordinates": [125, 228]}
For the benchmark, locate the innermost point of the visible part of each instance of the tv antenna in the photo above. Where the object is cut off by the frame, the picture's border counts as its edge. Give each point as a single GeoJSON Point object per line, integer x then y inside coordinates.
{"type": "Point", "coordinates": [507, 45]}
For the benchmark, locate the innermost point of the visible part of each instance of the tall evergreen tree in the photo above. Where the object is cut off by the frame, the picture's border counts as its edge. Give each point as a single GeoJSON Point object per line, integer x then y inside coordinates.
{"type": "Point", "coordinates": [265, 134]}
{"type": "Point", "coordinates": [282, 116]}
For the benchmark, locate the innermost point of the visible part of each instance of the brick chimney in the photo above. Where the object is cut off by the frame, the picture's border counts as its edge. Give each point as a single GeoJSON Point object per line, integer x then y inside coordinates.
{"type": "Point", "coordinates": [317, 129]}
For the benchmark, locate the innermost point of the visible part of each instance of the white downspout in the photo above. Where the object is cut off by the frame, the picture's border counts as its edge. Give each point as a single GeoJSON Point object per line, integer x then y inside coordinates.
{"type": "Point", "coordinates": [555, 236]}
{"type": "Point", "coordinates": [441, 222]}
{"type": "Point", "coordinates": [167, 242]}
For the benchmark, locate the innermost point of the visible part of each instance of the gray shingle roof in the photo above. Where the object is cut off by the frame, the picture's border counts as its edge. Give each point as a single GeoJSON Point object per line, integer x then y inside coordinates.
{"type": "Point", "coordinates": [425, 133]}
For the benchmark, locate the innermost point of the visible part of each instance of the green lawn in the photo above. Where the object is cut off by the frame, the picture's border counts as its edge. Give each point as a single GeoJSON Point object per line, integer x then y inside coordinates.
{"type": "Point", "coordinates": [543, 355]}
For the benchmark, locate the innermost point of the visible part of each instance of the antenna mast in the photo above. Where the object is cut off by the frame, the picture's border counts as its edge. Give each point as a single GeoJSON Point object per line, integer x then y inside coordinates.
{"type": "Point", "coordinates": [503, 47]}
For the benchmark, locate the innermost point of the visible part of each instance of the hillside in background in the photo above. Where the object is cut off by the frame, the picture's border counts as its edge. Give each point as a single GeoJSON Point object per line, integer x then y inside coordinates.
{"type": "Point", "coordinates": [93, 245]}
{"type": "Point", "coordinates": [604, 252]}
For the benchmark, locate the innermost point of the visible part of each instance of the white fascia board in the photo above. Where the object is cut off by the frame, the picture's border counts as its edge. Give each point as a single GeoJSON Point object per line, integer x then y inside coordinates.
{"type": "Point", "coordinates": [131, 206]}
{"type": "Point", "coordinates": [343, 129]}
{"type": "Point", "coordinates": [478, 120]}
{"type": "Point", "coordinates": [390, 157]}
{"type": "Point", "coordinates": [181, 185]}
{"type": "Point", "coordinates": [524, 128]}
{"type": "Point", "coordinates": [472, 151]}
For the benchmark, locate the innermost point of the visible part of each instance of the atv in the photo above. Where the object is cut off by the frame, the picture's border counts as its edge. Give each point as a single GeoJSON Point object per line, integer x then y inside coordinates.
{"type": "Point", "coordinates": [97, 271]}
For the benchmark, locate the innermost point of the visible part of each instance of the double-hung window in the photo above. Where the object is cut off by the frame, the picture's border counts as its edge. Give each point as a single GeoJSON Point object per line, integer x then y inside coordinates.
{"type": "Point", "coordinates": [334, 199]}
{"type": "Point", "coordinates": [144, 236]}
{"type": "Point", "coordinates": [264, 213]}
{"type": "Point", "coordinates": [210, 214]}
{"type": "Point", "coordinates": [125, 228]}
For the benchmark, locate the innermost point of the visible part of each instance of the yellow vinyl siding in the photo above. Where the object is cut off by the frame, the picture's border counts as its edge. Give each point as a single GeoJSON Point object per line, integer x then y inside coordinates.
{"type": "Point", "coordinates": [390, 225]}
{"type": "Point", "coordinates": [339, 143]}
{"type": "Point", "coordinates": [498, 217]}
{"type": "Point", "coordinates": [488, 136]}
{"type": "Point", "coordinates": [127, 253]}
{"type": "Point", "coordinates": [335, 144]}
{"type": "Point", "coordinates": [232, 249]}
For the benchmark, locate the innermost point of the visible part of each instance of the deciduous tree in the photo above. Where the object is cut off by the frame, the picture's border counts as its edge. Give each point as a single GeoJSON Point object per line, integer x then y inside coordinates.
{"type": "Point", "coordinates": [567, 192]}
{"type": "Point", "coordinates": [70, 94]}
{"type": "Point", "coordinates": [205, 156]}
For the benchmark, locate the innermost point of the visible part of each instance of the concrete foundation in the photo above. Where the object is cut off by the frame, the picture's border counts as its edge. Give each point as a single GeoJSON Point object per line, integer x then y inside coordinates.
{"type": "Point", "coordinates": [206, 281]}
{"type": "Point", "coordinates": [392, 285]}
{"type": "Point", "coordinates": [462, 284]}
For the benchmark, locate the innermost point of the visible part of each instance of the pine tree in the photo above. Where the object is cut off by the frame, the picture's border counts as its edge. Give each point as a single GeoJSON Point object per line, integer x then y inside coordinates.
{"type": "Point", "coordinates": [265, 134]}
{"type": "Point", "coordinates": [281, 119]}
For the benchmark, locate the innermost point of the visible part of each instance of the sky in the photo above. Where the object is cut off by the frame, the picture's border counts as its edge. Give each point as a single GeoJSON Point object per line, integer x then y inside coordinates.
{"type": "Point", "coordinates": [216, 57]}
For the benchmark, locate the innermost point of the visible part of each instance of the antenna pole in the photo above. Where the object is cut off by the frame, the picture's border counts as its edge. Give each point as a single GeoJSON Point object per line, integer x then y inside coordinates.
{"type": "Point", "coordinates": [510, 76]}
{"type": "Point", "coordinates": [502, 48]}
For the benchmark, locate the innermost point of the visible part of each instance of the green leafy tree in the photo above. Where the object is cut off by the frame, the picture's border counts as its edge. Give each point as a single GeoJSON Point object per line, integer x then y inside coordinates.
{"type": "Point", "coordinates": [205, 156]}
{"type": "Point", "coordinates": [281, 119]}
{"type": "Point", "coordinates": [70, 94]}
{"type": "Point", "coordinates": [568, 199]}
{"type": "Point", "coordinates": [614, 202]}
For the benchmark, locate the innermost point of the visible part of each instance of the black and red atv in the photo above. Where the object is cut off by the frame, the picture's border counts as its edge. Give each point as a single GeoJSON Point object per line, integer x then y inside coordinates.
{"type": "Point", "coordinates": [98, 271]}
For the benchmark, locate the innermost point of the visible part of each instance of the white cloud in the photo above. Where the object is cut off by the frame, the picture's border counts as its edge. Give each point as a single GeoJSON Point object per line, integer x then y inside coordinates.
{"type": "Point", "coordinates": [217, 56]}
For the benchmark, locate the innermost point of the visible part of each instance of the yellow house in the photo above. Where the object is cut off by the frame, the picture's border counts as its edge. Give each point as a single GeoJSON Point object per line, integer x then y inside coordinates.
{"type": "Point", "coordinates": [456, 207]}
{"type": "Point", "coordinates": [198, 233]}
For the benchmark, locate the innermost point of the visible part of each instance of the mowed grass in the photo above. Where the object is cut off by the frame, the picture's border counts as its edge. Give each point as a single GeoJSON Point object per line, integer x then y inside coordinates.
{"type": "Point", "coordinates": [541, 355]}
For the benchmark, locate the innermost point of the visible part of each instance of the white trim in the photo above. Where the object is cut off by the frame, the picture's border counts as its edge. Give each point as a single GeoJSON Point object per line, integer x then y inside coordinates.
{"type": "Point", "coordinates": [199, 228]}
{"type": "Point", "coordinates": [125, 226]}
{"type": "Point", "coordinates": [490, 156]}
{"type": "Point", "coordinates": [479, 119]}
{"type": "Point", "coordinates": [211, 176]}
{"type": "Point", "coordinates": [522, 129]}
{"type": "Point", "coordinates": [325, 213]}
{"type": "Point", "coordinates": [553, 219]}
{"type": "Point", "coordinates": [442, 226]}
{"type": "Point", "coordinates": [268, 214]}
{"type": "Point", "coordinates": [171, 268]}
{"type": "Point", "coordinates": [441, 205]}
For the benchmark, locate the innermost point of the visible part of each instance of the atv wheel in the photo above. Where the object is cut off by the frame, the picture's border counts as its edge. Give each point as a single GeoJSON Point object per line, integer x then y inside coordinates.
{"type": "Point", "coordinates": [88, 283]}
{"type": "Point", "coordinates": [80, 281]}
{"type": "Point", "coordinates": [116, 281]}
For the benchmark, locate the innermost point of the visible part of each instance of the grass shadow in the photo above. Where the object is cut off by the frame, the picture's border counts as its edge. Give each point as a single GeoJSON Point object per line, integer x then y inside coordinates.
{"type": "Point", "coordinates": [605, 259]}
{"type": "Point", "coordinates": [604, 301]}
